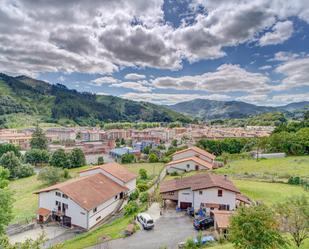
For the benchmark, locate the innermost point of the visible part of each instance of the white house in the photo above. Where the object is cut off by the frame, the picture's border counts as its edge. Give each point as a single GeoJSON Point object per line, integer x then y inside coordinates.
{"type": "Point", "coordinates": [212, 192]}
{"type": "Point", "coordinates": [116, 172]}
{"type": "Point", "coordinates": [87, 200]}
{"type": "Point", "coordinates": [188, 164]}
{"type": "Point", "coordinates": [194, 152]}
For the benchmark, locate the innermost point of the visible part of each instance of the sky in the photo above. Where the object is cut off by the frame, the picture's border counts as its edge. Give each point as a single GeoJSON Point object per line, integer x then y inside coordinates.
{"type": "Point", "coordinates": [162, 51]}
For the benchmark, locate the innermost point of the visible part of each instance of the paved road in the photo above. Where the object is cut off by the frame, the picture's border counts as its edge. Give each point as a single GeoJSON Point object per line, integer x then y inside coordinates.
{"type": "Point", "coordinates": [169, 230]}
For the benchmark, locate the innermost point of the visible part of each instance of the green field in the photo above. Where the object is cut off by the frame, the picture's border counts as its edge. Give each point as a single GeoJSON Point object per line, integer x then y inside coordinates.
{"type": "Point", "coordinates": [151, 168]}
{"type": "Point", "coordinates": [268, 193]}
{"type": "Point", "coordinates": [281, 168]}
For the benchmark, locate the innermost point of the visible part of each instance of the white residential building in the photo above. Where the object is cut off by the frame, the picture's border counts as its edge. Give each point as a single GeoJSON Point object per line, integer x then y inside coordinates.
{"type": "Point", "coordinates": [188, 164]}
{"type": "Point", "coordinates": [87, 200]}
{"type": "Point", "coordinates": [194, 152]}
{"type": "Point", "coordinates": [212, 192]}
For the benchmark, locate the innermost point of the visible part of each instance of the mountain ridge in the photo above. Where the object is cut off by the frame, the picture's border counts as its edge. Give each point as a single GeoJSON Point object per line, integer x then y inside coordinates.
{"type": "Point", "coordinates": [214, 109]}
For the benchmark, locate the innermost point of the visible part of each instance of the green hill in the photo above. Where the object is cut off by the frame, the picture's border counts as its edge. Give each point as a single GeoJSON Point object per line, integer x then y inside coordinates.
{"type": "Point", "coordinates": [55, 104]}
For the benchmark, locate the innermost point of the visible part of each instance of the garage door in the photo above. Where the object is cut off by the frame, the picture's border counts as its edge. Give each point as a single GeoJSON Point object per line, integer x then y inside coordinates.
{"type": "Point", "coordinates": [185, 205]}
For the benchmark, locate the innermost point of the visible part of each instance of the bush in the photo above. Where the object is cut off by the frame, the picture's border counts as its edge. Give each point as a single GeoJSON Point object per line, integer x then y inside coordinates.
{"type": "Point", "coordinates": [36, 156]}
{"type": "Point", "coordinates": [52, 175]}
{"type": "Point", "coordinates": [143, 174]}
{"type": "Point", "coordinates": [100, 160]}
{"type": "Point", "coordinates": [128, 158]}
{"type": "Point", "coordinates": [134, 195]}
{"type": "Point", "coordinates": [153, 158]}
{"type": "Point", "coordinates": [175, 173]}
{"type": "Point", "coordinates": [25, 170]}
{"type": "Point", "coordinates": [144, 197]}
{"type": "Point", "coordinates": [142, 187]}
{"type": "Point", "coordinates": [131, 208]}
{"type": "Point", "coordinates": [60, 159]}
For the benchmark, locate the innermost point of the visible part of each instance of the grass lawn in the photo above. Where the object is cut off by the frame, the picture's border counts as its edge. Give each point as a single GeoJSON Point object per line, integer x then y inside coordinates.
{"type": "Point", "coordinates": [276, 167]}
{"type": "Point", "coordinates": [269, 193]}
{"type": "Point", "coordinates": [113, 230]}
{"type": "Point", "coordinates": [151, 168]}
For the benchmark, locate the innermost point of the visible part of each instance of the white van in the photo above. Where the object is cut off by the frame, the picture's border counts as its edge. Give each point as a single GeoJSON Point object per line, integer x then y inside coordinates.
{"type": "Point", "coordinates": [145, 220]}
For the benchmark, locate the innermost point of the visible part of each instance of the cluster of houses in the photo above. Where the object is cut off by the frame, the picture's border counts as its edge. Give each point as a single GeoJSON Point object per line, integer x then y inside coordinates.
{"type": "Point", "coordinates": [216, 195]}
{"type": "Point", "coordinates": [88, 200]}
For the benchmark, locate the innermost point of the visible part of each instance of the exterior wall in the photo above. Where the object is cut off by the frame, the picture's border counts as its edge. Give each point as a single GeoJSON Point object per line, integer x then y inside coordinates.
{"type": "Point", "coordinates": [190, 153]}
{"type": "Point", "coordinates": [211, 196]}
{"type": "Point", "coordinates": [131, 185]}
{"type": "Point", "coordinates": [185, 195]}
{"type": "Point", "coordinates": [78, 215]}
{"type": "Point", "coordinates": [103, 210]}
{"type": "Point", "coordinates": [182, 167]}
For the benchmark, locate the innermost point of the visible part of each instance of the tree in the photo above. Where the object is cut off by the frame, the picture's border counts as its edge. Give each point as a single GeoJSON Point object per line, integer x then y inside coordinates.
{"type": "Point", "coordinates": [38, 140]}
{"type": "Point", "coordinates": [144, 197]}
{"type": "Point", "coordinates": [134, 195]}
{"type": "Point", "coordinates": [130, 208]}
{"type": "Point", "coordinates": [174, 143]}
{"type": "Point", "coordinates": [36, 156]}
{"type": "Point", "coordinates": [59, 159]}
{"type": "Point", "coordinates": [143, 174]}
{"type": "Point", "coordinates": [17, 170]}
{"type": "Point", "coordinates": [100, 160]}
{"type": "Point", "coordinates": [153, 158]}
{"type": "Point", "coordinates": [77, 158]}
{"type": "Point", "coordinates": [127, 158]}
{"type": "Point", "coordinates": [9, 147]}
{"type": "Point", "coordinates": [146, 149]}
{"type": "Point", "coordinates": [6, 200]}
{"type": "Point", "coordinates": [255, 228]}
{"type": "Point", "coordinates": [294, 218]}
{"type": "Point", "coordinates": [52, 175]}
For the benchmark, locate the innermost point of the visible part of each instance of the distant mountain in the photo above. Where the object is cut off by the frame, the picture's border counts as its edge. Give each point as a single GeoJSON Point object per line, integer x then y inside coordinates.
{"type": "Point", "coordinates": [53, 102]}
{"type": "Point", "coordinates": [213, 109]}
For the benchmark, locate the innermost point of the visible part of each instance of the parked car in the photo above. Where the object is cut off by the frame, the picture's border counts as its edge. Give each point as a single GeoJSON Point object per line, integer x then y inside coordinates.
{"type": "Point", "coordinates": [203, 223]}
{"type": "Point", "coordinates": [145, 220]}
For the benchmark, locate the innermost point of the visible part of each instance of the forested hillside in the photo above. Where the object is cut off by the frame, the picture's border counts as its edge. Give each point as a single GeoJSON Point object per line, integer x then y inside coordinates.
{"type": "Point", "coordinates": [54, 103]}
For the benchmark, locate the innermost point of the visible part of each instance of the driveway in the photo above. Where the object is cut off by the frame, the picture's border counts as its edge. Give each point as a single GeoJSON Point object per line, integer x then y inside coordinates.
{"type": "Point", "coordinates": [170, 229]}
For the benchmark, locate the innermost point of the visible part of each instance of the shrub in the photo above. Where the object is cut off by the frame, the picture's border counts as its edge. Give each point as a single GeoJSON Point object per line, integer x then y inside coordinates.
{"type": "Point", "coordinates": [128, 158]}
{"type": "Point", "coordinates": [130, 208]}
{"type": "Point", "coordinates": [143, 174]}
{"type": "Point", "coordinates": [100, 160]}
{"type": "Point", "coordinates": [144, 197]}
{"type": "Point", "coordinates": [142, 187]}
{"type": "Point", "coordinates": [26, 170]}
{"type": "Point", "coordinates": [153, 158]}
{"type": "Point", "coordinates": [175, 173]}
{"type": "Point", "coordinates": [52, 175]}
{"type": "Point", "coordinates": [134, 195]}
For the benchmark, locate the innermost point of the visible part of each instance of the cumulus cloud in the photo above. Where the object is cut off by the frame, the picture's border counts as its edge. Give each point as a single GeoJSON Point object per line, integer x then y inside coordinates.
{"type": "Point", "coordinates": [295, 72]}
{"type": "Point", "coordinates": [134, 76]}
{"type": "Point", "coordinates": [168, 99]}
{"type": "Point", "coordinates": [227, 78]}
{"type": "Point", "coordinates": [281, 32]}
{"type": "Point", "coordinates": [105, 80]}
{"type": "Point", "coordinates": [133, 86]}
{"type": "Point", "coordinates": [103, 36]}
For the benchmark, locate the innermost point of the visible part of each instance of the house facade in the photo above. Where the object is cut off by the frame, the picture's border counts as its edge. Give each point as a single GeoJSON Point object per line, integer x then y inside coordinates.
{"type": "Point", "coordinates": [86, 201]}
{"type": "Point", "coordinates": [194, 152]}
{"type": "Point", "coordinates": [207, 191]}
{"type": "Point", "coordinates": [187, 164]}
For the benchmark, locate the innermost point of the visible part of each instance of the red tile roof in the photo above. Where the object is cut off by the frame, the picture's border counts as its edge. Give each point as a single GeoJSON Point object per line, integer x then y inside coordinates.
{"type": "Point", "coordinates": [88, 191]}
{"type": "Point", "coordinates": [199, 181]}
{"type": "Point", "coordinates": [197, 150]}
{"type": "Point", "coordinates": [115, 170]}
{"type": "Point", "coordinates": [195, 159]}
{"type": "Point", "coordinates": [43, 211]}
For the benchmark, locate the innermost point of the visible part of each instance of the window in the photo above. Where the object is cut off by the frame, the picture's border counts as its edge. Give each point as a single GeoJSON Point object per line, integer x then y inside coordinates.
{"type": "Point", "coordinates": [65, 196]}
{"type": "Point", "coordinates": [171, 193]}
{"type": "Point", "coordinates": [116, 197]}
{"type": "Point", "coordinates": [200, 192]}
{"type": "Point", "coordinates": [224, 207]}
{"type": "Point", "coordinates": [57, 203]}
{"type": "Point", "coordinates": [188, 166]}
{"type": "Point", "coordinates": [98, 218]}
{"type": "Point", "coordinates": [58, 194]}
{"type": "Point", "coordinates": [65, 206]}
{"type": "Point", "coordinates": [220, 193]}
{"type": "Point", "coordinates": [95, 209]}
{"type": "Point", "coordinates": [186, 193]}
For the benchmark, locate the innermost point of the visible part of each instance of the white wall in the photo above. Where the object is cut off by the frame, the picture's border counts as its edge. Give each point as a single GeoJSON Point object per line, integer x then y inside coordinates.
{"type": "Point", "coordinates": [103, 210]}
{"type": "Point", "coordinates": [211, 196]}
{"type": "Point", "coordinates": [78, 215]}
{"type": "Point", "coordinates": [181, 167]}
{"type": "Point", "coordinates": [131, 185]}
{"type": "Point", "coordinates": [190, 153]}
{"type": "Point", "coordinates": [185, 195]}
